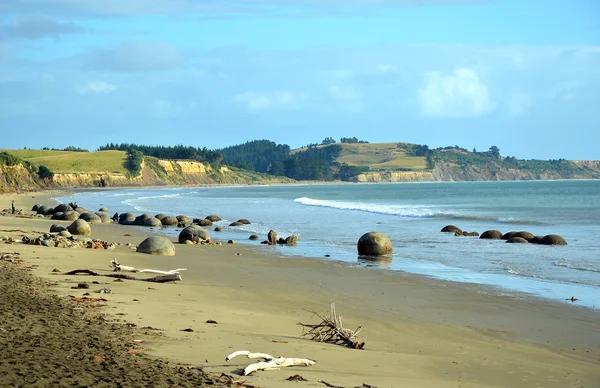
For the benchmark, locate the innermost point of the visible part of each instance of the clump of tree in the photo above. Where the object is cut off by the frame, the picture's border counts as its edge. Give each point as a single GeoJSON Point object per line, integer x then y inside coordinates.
{"type": "Point", "coordinates": [351, 140]}
{"type": "Point", "coordinates": [347, 173]}
{"type": "Point", "coordinates": [328, 140]}
{"type": "Point", "coordinates": [255, 155]}
{"type": "Point", "coordinates": [44, 172]}
{"type": "Point", "coordinates": [69, 148]}
{"type": "Point", "coordinates": [170, 152]}
{"type": "Point", "coordinates": [9, 159]}
{"type": "Point", "coordinates": [310, 164]}
{"type": "Point", "coordinates": [133, 163]}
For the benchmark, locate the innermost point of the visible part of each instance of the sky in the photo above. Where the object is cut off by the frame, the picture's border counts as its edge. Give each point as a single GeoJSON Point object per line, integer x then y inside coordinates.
{"type": "Point", "coordinates": [520, 75]}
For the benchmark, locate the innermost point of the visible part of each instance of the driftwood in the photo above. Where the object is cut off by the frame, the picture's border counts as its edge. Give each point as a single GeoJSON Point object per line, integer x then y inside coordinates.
{"type": "Point", "coordinates": [117, 267]}
{"type": "Point", "coordinates": [339, 386]}
{"type": "Point", "coordinates": [331, 330]}
{"type": "Point", "coordinates": [270, 363]}
{"type": "Point", "coordinates": [156, 279]}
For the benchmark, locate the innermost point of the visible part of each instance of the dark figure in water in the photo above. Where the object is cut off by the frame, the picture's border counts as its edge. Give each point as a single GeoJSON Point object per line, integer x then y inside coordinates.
{"type": "Point", "coordinates": [13, 207]}
{"type": "Point", "coordinates": [115, 217]}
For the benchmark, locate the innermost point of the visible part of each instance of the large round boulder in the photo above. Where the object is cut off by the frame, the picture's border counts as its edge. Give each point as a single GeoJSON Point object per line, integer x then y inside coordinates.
{"type": "Point", "coordinates": [213, 218]}
{"type": "Point", "coordinates": [63, 207]}
{"type": "Point", "coordinates": [508, 235]}
{"type": "Point", "coordinates": [58, 216]}
{"type": "Point", "coordinates": [169, 221]}
{"type": "Point", "coordinates": [49, 211]}
{"type": "Point", "coordinates": [553, 239]}
{"type": "Point", "coordinates": [104, 216]}
{"type": "Point", "coordinates": [127, 218]}
{"type": "Point", "coordinates": [182, 218]}
{"type": "Point", "coordinates": [157, 245]}
{"type": "Point", "coordinates": [205, 222]}
{"type": "Point", "coordinates": [451, 229]}
{"type": "Point", "coordinates": [518, 240]}
{"type": "Point", "coordinates": [80, 227]}
{"type": "Point", "coordinates": [155, 222]}
{"type": "Point", "coordinates": [536, 240]}
{"type": "Point", "coordinates": [141, 220]}
{"type": "Point", "coordinates": [254, 237]}
{"type": "Point", "coordinates": [236, 223]}
{"type": "Point", "coordinates": [160, 216]}
{"type": "Point", "coordinates": [526, 235]}
{"type": "Point", "coordinates": [81, 209]}
{"type": "Point", "coordinates": [90, 218]}
{"type": "Point", "coordinates": [70, 215]}
{"type": "Point", "coordinates": [35, 207]}
{"type": "Point", "coordinates": [193, 233]}
{"type": "Point", "coordinates": [374, 244]}
{"type": "Point", "coordinates": [244, 221]}
{"type": "Point", "coordinates": [491, 234]}
{"type": "Point", "coordinates": [54, 228]}
{"type": "Point", "coordinates": [42, 209]}
{"type": "Point", "coordinates": [292, 240]}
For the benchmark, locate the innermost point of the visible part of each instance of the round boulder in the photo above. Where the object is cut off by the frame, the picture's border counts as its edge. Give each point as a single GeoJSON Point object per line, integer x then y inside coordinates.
{"type": "Point", "coordinates": [526, 235]}
{"type": "Point", "coordinates": [293, 240]}
{"type": "Point", "coordinates": [169, 221]}
{"type": "Point", "coordinates": [141, 220]}
{"type": "Point", "coordinates": [42, 209]}
{"type": "Point", "coordinates": [104, 216]}
{"type": "Point", "coordinates": [160, 216]}
{"type": "Point", "coordinates": [58, 216]}
{"type": "Point", "coordinates": [491, 234]}
{"type": "Point", "coordinates": [103, 209]}
{"type": "Point", "coordinates": [56, 228]}
{"type": "Point", "coordinates": [193, 233]}
{"type": "Point", "coordinates": [374, 243]}
{"type": "Point", "coordinates": [49, 211]}
{"type": "Point", "coordinates": [182, 218]}
{"type": "Point", "coordinates": [253, 237]}
{"type": "Point", "coordinates": [244, 221]}
{"type": "Point", "coordinates": [272, 237]}
{"type": "Point", "coordinates": [127, 218]}
{"type": "Point", "coordinates": [155, 222]}
{"type": "Point", "coordinates": [35, 207]}
{"type": "Point", "coordinates": [237, 223]}
{"type": "Point", "coordinates": [90, 218]}
{"type": "Point", "coordinates": [518, 240]}
{"type": "Point", "coordinates": [451, 229]}
{"type": "Point", "coordinates": [205, 222]}
{"type": "Point", "coordinates": [508, 235]}
{"type": "Point", "coordinates": [553, 239]}
{"type": "Point", "coordinates": [157, 245]}
{"type": "Point", "coordinates": [70, 215]}
{"type": "Point", "coordinates": [218, 229]}
{"type": "Point", "coordinates": [213, 218]}
{"type": "Point", "coordinates": [80, 227]}
{"type": "Point", "coordinates": [81, 209]}
{"type": "Point", "coordinates": [63, 207]}
{"type": "Point", "coordinates": [536, 240]}
{"type": "Point", "coordinates": [64, 233]}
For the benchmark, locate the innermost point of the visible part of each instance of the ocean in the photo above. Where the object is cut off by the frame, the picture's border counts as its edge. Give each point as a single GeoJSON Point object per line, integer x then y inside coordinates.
{"type": "Point", "coordinates": [330, 218]}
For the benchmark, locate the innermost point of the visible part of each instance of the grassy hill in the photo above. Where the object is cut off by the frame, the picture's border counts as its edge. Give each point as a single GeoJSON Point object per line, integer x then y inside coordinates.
{"type": "Point", "coordinates": [75, 162]}
{"type": "Point", "coordinates": [381, 156]}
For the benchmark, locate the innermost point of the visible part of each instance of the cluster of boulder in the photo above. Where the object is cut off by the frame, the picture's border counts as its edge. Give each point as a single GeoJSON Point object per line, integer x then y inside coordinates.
{"type": "Point", "coordinates": [64, 239]}
{"type": "Point", "coordinates": [510, 237]}
{"type": "Point", "coordinates": [65, 212]}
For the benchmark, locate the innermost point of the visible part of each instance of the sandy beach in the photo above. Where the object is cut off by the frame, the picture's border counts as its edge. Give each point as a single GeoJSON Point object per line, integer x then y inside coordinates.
{"type": "Point", "coordinates": [418, 332]}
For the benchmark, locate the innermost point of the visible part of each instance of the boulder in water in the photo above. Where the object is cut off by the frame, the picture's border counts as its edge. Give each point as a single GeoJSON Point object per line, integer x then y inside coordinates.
{"type": "Point", "coordinates": [553, 239]}
{"type": "Point", "coordinates": [451, 229]}
{"type": "Point", "coordinates": [374, 244]}
{"type": "Point", "coordinates": [491, 234]}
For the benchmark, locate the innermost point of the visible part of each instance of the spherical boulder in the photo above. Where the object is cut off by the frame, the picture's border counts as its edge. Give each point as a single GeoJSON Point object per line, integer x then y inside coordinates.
{"type": "Point", "coordinates": [213, 218]}
{"type": "Point", "coordinates": [526, 235]}
{"type": "Point", "coordinates": [272, 237]}
{"type": "Point", "coordinates": [553, 239]}
{"type": "Point", "coordinates": [35, 207]}
{"type": "Point", "coordinates": [127, 218]}
{"type": "Point", "coordinates": [218, 229]}
{"type": "Point", "coordinates": [508, 235]}
{"type": "Point", "coordinates": [90, 218]}
{"type": "Point", "coordinates": [103, 209]}
{"type": "Point", "coordinates": [70, 215]}
{"type": "Point", "coordinates": [169, 221]}
{"type": "Point", "coordinates": [153, 222]}
{"type": "Point", "coordinates": [205, 222]}
{"type": "Point", "coordinates": [471, 234]}
{"type": "Point", "coordinates": [56, 228]}
{"type": "Point", "coordinates": [237, 223]}
{"type": "Point", "coordinates": [49, 211]}
{"type": "Point", "coordinates": [80, 227]}
{"type": "Point", "coordinates": [42, 209]}
{"type": "Point", "coordinates": [244, 221]}
{"type": "Point", "coordinates": [141, 219]}
{"type": "Point", "coordinates": [104, 216]}
{"type": "Point", "coordinates": [253, 237]}
{"type": "Point", "coordinates": [63, 207]}
{"type": "Point", "coordinates": [491, 234]}
{"type": "Point", "coordinates": [64, 233]}
{"type": "Point", "coordinates": [536, 240]}
{"type": "Point", "coordinates": [451, 229]}
{"type": "Point", "coordinates": [518, 240]}
{"type": "Point", "coordinates": [374, 244]}
{"type": "Point", "coordinates": [183, 218]}
{"type": "Point", "coordinates": [157, 245]}
{"type": "Point", "coordinates": [291, 240]}
{"type": "Point", "coordinates": [81, 209]}
{"type": "Point", "coordinates": [58, 216]}
{"type": "Point", "coordinates": [160, 216]}
{"type": "Point", "coordinates": [193, 233]}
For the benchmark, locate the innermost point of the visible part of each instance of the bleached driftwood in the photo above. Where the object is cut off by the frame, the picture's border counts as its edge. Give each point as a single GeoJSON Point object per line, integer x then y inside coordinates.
{"type": "Point", "coordinates": [120, 267]}
{"type": "Point", "coordinates": [331, 330]}
{"type": "Point", "coordinates": [156, 279]}
{"type": "Point", "coordinates": [270, 363]}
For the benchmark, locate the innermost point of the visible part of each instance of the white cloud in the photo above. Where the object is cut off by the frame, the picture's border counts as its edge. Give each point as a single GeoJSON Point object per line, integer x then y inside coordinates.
{"type": "Point", "coordinates": [460, 94]}
{"type": "Point", "coordinates": [97, 87]}
{"type": "Point", "coordinates": [255, 101]}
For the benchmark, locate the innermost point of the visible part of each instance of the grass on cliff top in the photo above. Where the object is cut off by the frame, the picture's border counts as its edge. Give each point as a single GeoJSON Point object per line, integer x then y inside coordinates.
{"type": "Point", "coordinates": [75, 162]}
{"type": "Point", "coordinates": [387, 156]}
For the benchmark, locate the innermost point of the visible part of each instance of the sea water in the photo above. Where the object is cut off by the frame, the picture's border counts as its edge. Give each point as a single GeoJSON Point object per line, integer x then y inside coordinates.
{"type": "Point", "coordinates": [330, 218]}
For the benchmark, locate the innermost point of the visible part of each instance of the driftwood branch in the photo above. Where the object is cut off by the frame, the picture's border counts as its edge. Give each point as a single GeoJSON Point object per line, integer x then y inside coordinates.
{"type": "Point", "coordinates": [339, 386]}
{"type": "Point", "coordinates": [117, 267]}
{"type": "Point", "coordinates": [331, 330]}
{"type": "Point", "coordinates": [270, 363]}
{"type": "Point", "coordinates": [156, 279]}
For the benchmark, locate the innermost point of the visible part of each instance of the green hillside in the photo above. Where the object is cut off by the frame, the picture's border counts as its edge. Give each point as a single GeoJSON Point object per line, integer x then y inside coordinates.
{"type": "Point", "coordinates": [388, 156]}
{"type": "Point", "coordinates": [75, 162]}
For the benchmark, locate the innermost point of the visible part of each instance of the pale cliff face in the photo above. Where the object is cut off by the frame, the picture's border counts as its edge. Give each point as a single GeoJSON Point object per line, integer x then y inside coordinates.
{"type": "Point", "coordinates": [395, 176]}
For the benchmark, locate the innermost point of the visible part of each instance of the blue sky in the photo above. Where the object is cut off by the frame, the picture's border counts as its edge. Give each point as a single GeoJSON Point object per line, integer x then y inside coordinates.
{"type": "Point", "coordinates": [521, 75]}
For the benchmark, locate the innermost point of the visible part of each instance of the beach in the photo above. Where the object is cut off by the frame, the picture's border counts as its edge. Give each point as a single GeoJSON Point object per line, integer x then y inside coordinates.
{"type": "Point", "coordinates": [417, 331]}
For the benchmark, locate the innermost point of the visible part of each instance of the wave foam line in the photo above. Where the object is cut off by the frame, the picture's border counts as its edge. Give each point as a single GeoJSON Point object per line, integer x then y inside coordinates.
{"type": "Point", "coordinates": [397, 210]}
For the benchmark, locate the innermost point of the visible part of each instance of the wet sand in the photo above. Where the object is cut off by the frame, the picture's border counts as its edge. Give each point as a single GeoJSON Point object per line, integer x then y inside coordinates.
{"type": "Point", "coordinates": [418, 331]}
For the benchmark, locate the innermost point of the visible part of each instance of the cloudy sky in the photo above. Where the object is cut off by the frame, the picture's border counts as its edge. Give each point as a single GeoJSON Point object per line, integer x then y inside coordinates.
{"type": "Point", "coordinates": [521, 75]}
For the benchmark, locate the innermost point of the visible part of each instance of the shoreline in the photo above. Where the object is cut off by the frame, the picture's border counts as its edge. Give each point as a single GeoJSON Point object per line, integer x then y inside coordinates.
{"type": "Point", "coordinates": [417, 331]}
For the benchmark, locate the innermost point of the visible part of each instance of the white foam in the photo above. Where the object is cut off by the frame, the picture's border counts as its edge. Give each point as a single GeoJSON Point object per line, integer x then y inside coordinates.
{"type": "Point", "coordinates": [397, 210]}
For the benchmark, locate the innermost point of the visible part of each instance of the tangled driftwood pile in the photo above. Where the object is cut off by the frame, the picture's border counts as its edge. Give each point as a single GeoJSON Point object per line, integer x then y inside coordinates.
{"type": "Point", "coordinates": [331, 330]}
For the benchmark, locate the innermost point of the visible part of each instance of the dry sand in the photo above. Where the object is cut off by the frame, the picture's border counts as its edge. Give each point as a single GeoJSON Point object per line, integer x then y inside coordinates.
{"type": "Point", "coordinates": [418, 332]}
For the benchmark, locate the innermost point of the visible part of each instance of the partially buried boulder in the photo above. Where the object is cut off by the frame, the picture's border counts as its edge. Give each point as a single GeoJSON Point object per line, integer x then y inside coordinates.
{"type": "Point", "coordinates": [56, 228]}
{"type": "Point", "coordinates": [141, 219]}
{"type": "Point", "coordinates": [553, 239]}
{"type": "Point", "coordinates": [518, 240]}
{"type": "Point", "coordinates": [157, 245]}
{"type": "Point", "coordinates": [213, 218]}
{"type": "Point", "coordinates": [451, 229]}
{"type": "Point", "coordinates": [237, 223]}
{"type": "Point", "coordinates": [152, 222]}
{"type": "Point", "coordinates": [272, 237]}
{"type": "Point", "coordinates": [193, 233]}
{"type": "Point", "coordinates": [57, 216]}
{"type": "Point", "coordinates": [536, 240]}
{"type": "Point", "coordinates": [90, 218]}
{"type": "Point", "coordinates": [244, 221]}
{"type": "Point", "coordinates": [70, 215]}
{"type": "Point", "coordinates": [80, 227]}
{"type": "Point", "coordinates": [491, 234]}
{"type": "Point", "coordinates": [218, 229]}
{"type": "Point", "coordinates": [253, 237]}
{"type": "Point", "coordinates": [205, 222]}
{"type": "Point", "coordinates": [104, 216]}
{"type": "Point", "coordinates": [291, 240]}
{"type": "Point", "coordinates": [508, 235]}
{"type": "Point", "coordinates": [63, 207]}
{"type": "Point", "coordinates": [374, 244]}
{"type": "Point", "coordinates": [169, 221]}
{"type": "Point", "coordinates": [526, 235]}
{"type": "Point", "coordinates": [127, 218]}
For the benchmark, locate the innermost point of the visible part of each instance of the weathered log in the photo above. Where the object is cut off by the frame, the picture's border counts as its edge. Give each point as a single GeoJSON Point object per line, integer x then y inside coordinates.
{"type": "Point", "coordinates": [156, 279]}
{"type": "Point", "coordinates": [270, 363]}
